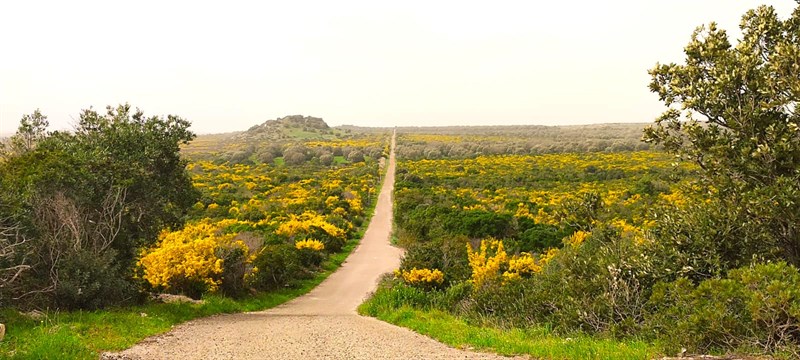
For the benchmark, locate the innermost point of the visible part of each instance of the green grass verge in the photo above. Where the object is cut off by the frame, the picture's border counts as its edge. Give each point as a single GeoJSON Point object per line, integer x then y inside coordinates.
{"type": "Point", "coordinates": [540, 343]}
{"type": "Point", "coordinates": [85, 334]}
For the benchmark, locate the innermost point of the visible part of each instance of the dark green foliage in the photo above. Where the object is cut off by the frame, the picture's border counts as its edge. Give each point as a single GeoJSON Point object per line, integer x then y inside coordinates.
{"type": "Point", "coordinates": [540, 237]}
{"type": "Point", "coordinates": [234, 268]}
{"type": "Point", "coordinates": [448, 255]}
{"type": "Point", "coordinates": [738, 121]}
{"type": "Point", "coordinates": [752, 308]}
{"type": "Point", "coordinates": [311, 258]}
{"type": "Point", "coordinates": [86, 201]}
{"type": "Point", "coordinates": [479, 224]}
{"type": "Point", "coordinates": [84, 282]}
{"type": "Point", "coordinates": [335, 244]}
{"type": "Point", "coordinates": [278, 266]}
{"type": "Point", "coordinates": [693, 241]}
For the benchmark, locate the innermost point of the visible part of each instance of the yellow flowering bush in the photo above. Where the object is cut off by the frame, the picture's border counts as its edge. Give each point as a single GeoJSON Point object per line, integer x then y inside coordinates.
{"type": "Point", "coordinates": [310, 244]}
{"type": "Point", "coordinates": [547, 256]}
{"type": "Point", "coordinates": [186, 260]}
{"type": "Point", "coordinates": [306, 223]}
{"type": "Point", "coordinates": [491, 263]}
{"type": "Point", "coordinates": [577, 238]}
{"type": "Point", "coordinates": [424, 278]}
{"type": "Point", "coordinates": [310, 251]}
{"type": "Point", "coordinates": [522, 265]}
{"type": "Point", "coordinates": [487, 261]}
{"type": "Point", "coordinates": [311, 224]}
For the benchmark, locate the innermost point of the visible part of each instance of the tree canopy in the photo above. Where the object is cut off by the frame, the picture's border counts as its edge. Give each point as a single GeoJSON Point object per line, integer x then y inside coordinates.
{"type": "Point", "coordinates": [733, 111]}
{"type": "Point", "coordinates": [77, 206]}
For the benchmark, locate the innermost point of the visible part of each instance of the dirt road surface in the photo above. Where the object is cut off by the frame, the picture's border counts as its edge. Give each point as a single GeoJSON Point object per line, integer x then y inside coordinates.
{"type": "Point", "coordinates": [322, 324]}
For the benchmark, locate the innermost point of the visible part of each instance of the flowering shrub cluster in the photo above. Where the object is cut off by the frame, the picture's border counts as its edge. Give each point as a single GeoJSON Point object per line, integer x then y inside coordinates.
{"type": "Point", "coordinates": [491, 263]}
{"type": "Point", "coordinates": [261, 226]}
{"type": "Point", "coordinates": [425, 278]}
{"type": "Point", "coordinates": [310, 244]}
{"type": "Point", "coordinates": [187, 260]}
{"type": "Point", "coordinates": [487, 262]}
{"type": "Point", "coordinates": [567, 239]}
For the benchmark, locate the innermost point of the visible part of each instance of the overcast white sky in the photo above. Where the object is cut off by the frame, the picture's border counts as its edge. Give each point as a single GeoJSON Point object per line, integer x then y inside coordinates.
{"type": "Point", "coordinates": [227, 65]}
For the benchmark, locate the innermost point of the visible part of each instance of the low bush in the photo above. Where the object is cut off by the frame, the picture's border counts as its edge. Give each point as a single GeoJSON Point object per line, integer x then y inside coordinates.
{"type": "Point", "coordinates": [84, 282]}
{"type": "Point", "coordinates": [310, 252]}
{"type": "Point", "coordinates": [752, 308]}
{"type": "Point", "coordinates": [276, 266]}
{"type": "Point", "coordinates": [234, 268]}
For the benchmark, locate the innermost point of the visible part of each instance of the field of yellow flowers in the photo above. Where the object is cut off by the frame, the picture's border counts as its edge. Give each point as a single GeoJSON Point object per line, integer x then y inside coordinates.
{"type": "Point", "coordinates": [262, 226]}
{"type": "Point", "coordinates": [631, 246]}
{"type": "Point", "coordinates": [563, 241]}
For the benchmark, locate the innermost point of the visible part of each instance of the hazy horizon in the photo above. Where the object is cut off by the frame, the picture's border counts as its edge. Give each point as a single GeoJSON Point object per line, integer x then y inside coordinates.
{"type": "Point", "coordinates": [226, 68]}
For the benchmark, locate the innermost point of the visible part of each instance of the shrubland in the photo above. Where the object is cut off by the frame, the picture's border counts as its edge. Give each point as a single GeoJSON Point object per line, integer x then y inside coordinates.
{"type": "Point", "coordinates": [699, 256]}
{"type": "Point", "coordinates": [292, 140]}
{"type": "Point", "coordinates": [103, 217]}
{"type": "Point", "coordinates": [471, 141]}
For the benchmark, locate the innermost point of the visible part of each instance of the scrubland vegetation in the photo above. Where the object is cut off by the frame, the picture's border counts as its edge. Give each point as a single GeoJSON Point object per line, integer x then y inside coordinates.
{"type": "Point", "coordinates": [698, 256]}
{"type": "Point", "coordinates": [559, 242]}
{"type": "Point", "coordinates": [471, 141]}
{"type": "Point", "coordinates": [101, 217]}
{"type": "Point", "coordinates": [291, 140]}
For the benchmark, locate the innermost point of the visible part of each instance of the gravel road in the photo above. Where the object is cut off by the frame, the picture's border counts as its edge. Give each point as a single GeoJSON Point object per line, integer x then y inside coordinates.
{"type": "Point", "coordinates": [322, 324]}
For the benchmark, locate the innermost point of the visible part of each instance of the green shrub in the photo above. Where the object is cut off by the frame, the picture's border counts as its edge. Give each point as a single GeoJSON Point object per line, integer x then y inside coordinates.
{"type": "Point", "coordinates": [753, 308]}
{"type": "Point", "coordinates": [711, 316]}
{"type": "Point", "coordinates": [773, 303]}
{"type": "Point", "coordinates": [234, 268]}
{"type": "Point", "coordinates": [310, 257]}
{"type": "Point", "coordinates": [393, 294]}
{"type": "Point", "coordinates": [276, 266]}
{"type": "Point", "coordinates": [332, 244]}
{"type": "Point", "coordinates": [448, 255]}
{"type": "Point", "coordinates": [91, 281]}
{"type": "Point", "coordinates": [539, 237]}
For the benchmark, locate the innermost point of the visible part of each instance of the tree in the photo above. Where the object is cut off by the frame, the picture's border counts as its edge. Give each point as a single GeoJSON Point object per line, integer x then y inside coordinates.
{"type": "Point", "coordinates": [84, 202]}
{"type": "Point", "coordinates": [738, 121]}
{"type": "Point", "coordinates": [32, 129]}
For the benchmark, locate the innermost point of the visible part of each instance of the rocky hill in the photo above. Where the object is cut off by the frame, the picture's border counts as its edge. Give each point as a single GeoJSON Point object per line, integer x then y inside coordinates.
{"type": "Point", "coordinates": [289, 127]}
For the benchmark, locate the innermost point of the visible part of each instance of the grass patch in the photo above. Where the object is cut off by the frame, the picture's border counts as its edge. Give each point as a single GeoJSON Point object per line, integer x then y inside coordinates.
{"type": "Point", "coordinates": [539, 342]}
{"type": "Point", "coordinates": [339, 159]}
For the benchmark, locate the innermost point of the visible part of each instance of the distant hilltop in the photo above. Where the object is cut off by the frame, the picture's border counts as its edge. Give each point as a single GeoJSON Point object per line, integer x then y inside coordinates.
{"type": "Point", "coordinates": [291, 121]}
{"type": "Point", "coordinates": [289, 127]}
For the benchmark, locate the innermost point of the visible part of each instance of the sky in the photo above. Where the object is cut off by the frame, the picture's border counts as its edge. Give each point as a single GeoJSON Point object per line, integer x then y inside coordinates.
{"type": "Point", "coordinates": [228, 65]}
